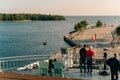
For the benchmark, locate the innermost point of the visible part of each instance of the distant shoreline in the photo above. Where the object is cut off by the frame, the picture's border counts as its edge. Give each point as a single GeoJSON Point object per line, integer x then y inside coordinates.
{"type": "Point", "coordinates": [30, 17]}
{"type": "Point", "coordinates": [18, 21]}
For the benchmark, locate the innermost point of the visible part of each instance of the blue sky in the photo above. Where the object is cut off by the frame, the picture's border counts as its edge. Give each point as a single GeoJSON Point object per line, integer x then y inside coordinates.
{"type": "Point", "coordinates": [62, 7]}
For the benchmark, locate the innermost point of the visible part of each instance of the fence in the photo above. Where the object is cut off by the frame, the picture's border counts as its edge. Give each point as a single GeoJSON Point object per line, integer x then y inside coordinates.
{"type": "Point", "coordinates": [11, 63]}
{"type": "Point", "coordinates": [73, 60]}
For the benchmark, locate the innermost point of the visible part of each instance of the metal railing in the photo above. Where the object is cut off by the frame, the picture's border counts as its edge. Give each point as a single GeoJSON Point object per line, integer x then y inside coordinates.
{"type": "Point", "coordinates": [12, 63]}
{"type": "Point", "coordinates": [73, 60]}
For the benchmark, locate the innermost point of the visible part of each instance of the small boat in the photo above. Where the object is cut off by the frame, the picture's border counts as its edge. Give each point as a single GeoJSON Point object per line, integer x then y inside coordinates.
{"type": "Point", "coordinates": [45, 43]}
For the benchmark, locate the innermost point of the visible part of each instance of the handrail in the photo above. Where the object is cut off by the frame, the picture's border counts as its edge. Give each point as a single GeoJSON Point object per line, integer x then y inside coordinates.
{"type": "Point", "coordinates": [73, 60]}
{"type": "Point", "coordinates": [14, 62]}
{"type": "Point", "coordinates": [24, 56]}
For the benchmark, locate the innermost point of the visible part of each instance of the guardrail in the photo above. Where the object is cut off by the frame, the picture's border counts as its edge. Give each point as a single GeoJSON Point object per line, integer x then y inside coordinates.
{"type": "Point", "coordinates": [73, 60]}
{"type": "Point", "coordinates": [12, 63]}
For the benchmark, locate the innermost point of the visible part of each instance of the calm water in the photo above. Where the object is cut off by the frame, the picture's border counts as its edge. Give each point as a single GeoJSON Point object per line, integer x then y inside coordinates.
{"type": "Point", "coordinates": [26, 38]}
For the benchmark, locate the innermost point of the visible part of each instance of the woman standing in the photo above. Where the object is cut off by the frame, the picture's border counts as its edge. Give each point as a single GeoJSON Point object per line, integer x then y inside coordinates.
{"type": "Point", "coordinates": [89, 56]}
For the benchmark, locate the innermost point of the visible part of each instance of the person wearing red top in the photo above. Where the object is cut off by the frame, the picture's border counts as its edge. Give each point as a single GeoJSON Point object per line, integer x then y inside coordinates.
{"type": "Point", "coordinates": [89, 56]}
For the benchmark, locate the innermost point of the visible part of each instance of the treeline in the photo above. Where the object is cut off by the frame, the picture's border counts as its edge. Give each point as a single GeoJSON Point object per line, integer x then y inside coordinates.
{"type": "Point", "coordinates": [21, 17]}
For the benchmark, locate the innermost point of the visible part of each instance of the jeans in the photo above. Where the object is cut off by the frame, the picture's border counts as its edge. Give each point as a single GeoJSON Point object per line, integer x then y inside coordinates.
{"type": "Point", "coordinates": [82, 64]}
{"type": "Point", "coordinates": [89, 64]}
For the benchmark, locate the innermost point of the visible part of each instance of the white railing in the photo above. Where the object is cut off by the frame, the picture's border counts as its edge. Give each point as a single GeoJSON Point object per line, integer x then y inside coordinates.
{"type": "Point", "coordinates": [12, 63]}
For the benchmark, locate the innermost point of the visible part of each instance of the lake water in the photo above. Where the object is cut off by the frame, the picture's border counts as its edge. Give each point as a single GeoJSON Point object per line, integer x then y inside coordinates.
{"type": "Point", "coordinates": [27, 38]}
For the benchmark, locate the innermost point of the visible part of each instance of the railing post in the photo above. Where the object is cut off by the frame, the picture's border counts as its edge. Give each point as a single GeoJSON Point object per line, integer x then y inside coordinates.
{"type": "Point", "coordinates": [0, 67]}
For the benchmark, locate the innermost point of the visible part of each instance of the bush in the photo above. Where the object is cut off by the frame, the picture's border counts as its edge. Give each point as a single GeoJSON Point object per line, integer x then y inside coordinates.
{"type": "Point", "coordinates": [81, 25]}
{"type": "Point", "coordinates": [99, 23]}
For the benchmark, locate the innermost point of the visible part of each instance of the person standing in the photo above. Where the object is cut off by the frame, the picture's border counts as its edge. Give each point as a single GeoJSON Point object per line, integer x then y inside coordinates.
{"type": "Point", "coordinates": [105, 58]}
{"type": "Point", "coordinates": [114, 67]}
{"type": "Point", "coordinates": [83, 58]}
{"type": "Point", "coordinates": [51, 67]}
{"type": "Point", "coordinates": [89, 56]}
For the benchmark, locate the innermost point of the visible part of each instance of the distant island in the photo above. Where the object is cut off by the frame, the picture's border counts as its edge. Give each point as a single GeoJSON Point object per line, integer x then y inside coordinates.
{"type": "Point", "coordinates": [33, 17]}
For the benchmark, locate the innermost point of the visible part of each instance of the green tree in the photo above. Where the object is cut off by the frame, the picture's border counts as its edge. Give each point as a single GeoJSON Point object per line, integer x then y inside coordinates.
{"type": "Point", "coordinates": [0, 17]}
{"type": "Point", "coordinates": [99, 23]}
{"type": "Point", "coordinates": [81, 25]}
{"type": "Point", "coordinates": [85, 23]}
{"type": "Point", "coordinates": [118, 31]}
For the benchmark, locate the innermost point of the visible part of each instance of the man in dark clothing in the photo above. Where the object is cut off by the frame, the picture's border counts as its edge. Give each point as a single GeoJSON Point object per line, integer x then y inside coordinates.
{"type": "Point", "coordinates": [114, 67]}
{"type": "Point", "coordinates": [51, 66]}
{"type": "Point", "coordinates": [83, 58]}
{"type": "Point", "coordinates": [105, 58]}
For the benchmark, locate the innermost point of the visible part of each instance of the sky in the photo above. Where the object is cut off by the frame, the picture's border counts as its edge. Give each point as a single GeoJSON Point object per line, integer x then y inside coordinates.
{"type": "Point", "coordinates": [62, 7]}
